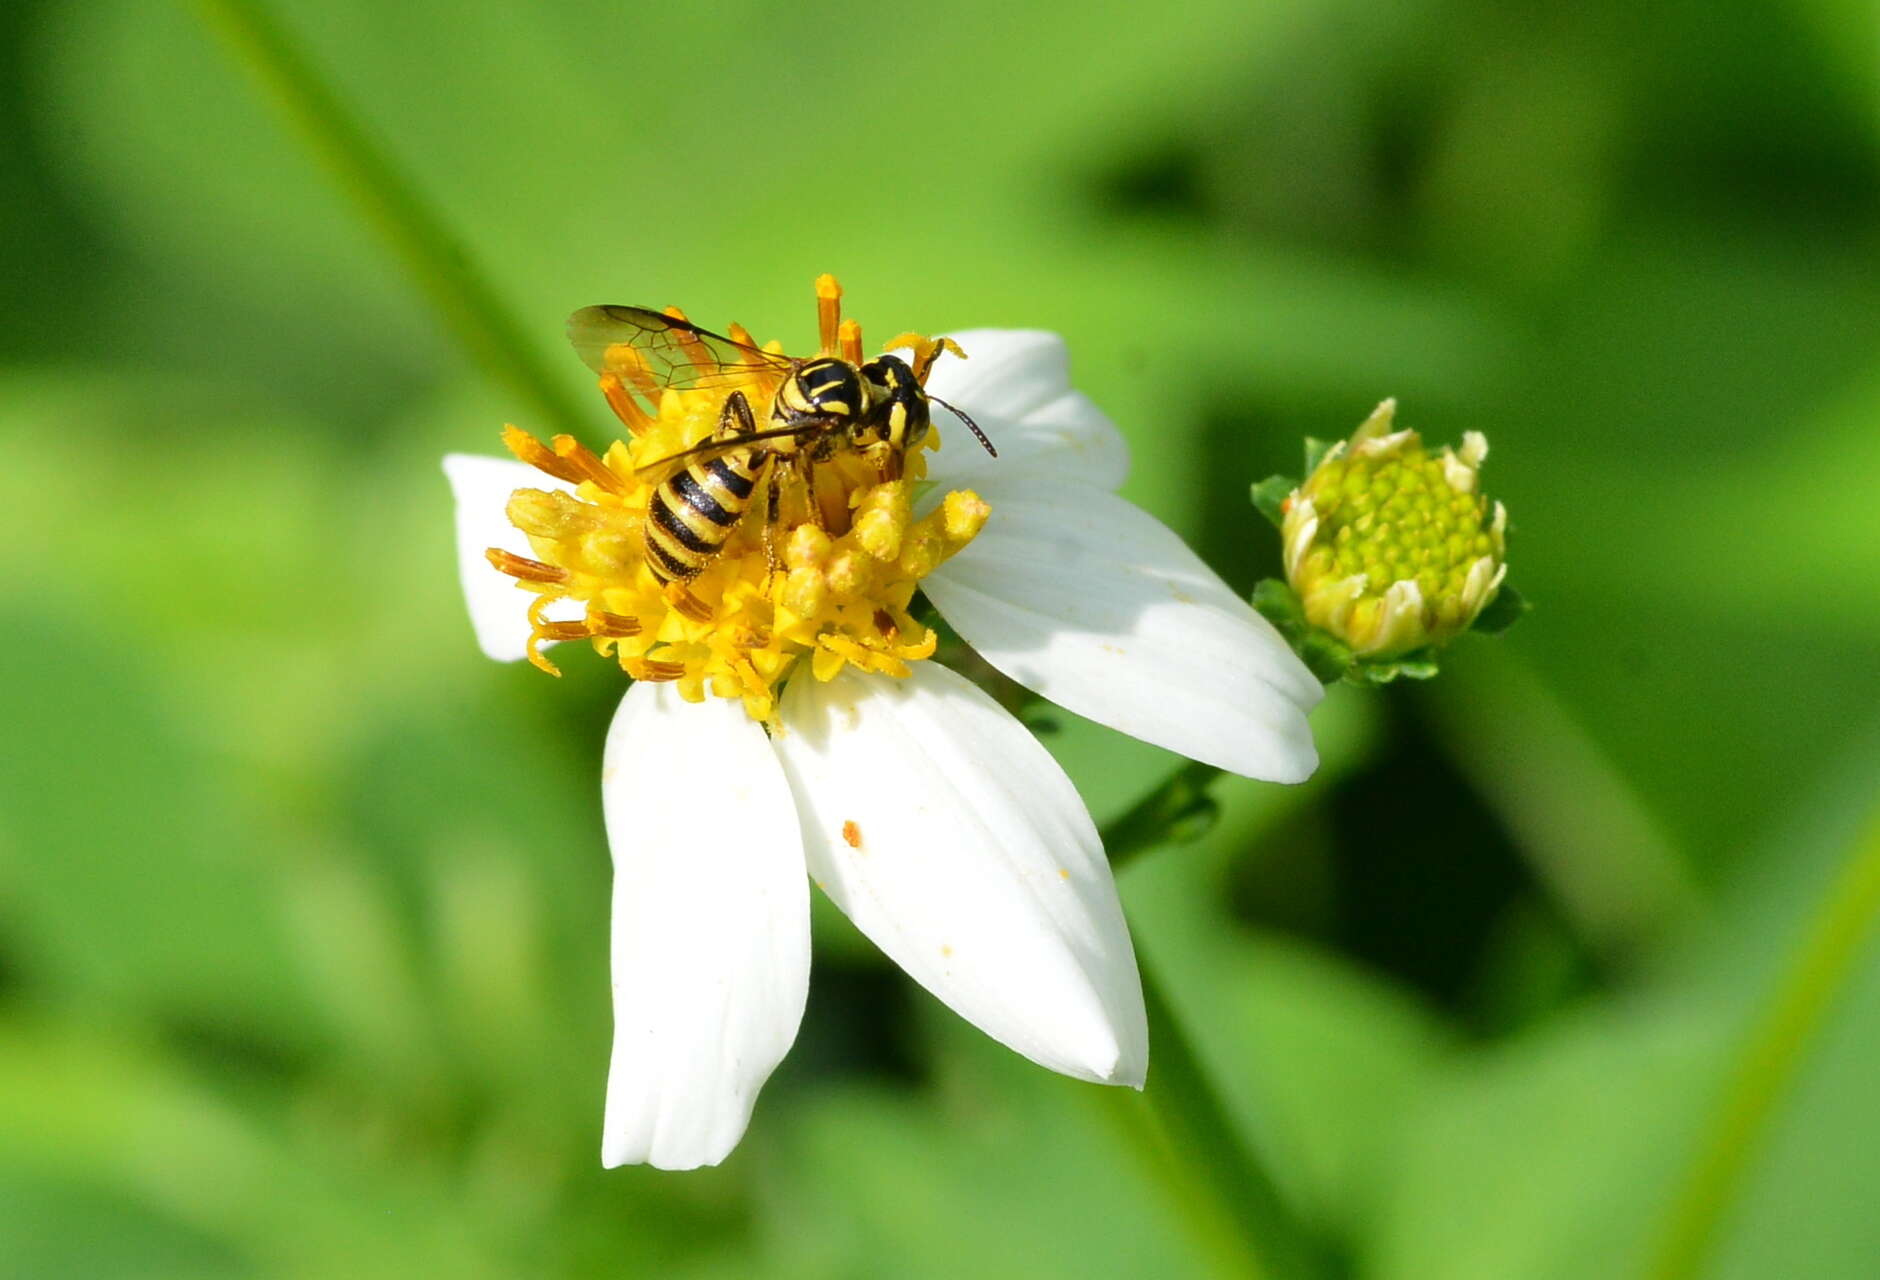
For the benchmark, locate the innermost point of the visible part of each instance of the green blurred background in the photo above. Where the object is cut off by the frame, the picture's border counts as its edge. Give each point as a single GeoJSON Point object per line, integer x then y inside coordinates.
{"type": "Point", "coordinates": [303, 903]}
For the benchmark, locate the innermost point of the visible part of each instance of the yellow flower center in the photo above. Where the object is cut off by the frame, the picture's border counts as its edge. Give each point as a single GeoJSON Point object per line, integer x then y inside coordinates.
{"type": "Point", "coordinates": [833, 578]}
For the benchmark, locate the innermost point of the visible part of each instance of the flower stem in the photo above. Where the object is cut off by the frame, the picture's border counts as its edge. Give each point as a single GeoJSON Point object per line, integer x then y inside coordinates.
{"type": "Point", "coordinates": [1177, 811]}
{"type": "Point", "coordinates": [435, 260]}
{"type": "Point", "coordinates": [1180, 1126]}
{"type": "Point", "coordinates": [1192, 1144]}
{"type": "Point", "coordinates": [1771, 1055]}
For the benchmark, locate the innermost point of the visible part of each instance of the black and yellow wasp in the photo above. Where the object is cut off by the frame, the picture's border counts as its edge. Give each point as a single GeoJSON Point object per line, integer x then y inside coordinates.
{"type": "Point", "coordinates": [817, 406]}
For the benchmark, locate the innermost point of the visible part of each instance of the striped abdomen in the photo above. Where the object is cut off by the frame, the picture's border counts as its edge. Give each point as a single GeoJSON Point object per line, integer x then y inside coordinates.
{"type": "Point", "coordinates": [693, 513]}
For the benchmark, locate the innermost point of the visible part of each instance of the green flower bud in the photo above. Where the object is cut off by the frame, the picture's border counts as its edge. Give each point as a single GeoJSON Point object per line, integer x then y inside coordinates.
{"type": "Point", "coordinates": [1391, 548]}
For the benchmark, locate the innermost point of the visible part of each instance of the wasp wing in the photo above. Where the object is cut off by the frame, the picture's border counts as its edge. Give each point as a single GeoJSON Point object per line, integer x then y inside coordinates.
{"type": "Point", "coordinates": [660, 470]}
{"type": "Point", "coordinates": [649, 350]}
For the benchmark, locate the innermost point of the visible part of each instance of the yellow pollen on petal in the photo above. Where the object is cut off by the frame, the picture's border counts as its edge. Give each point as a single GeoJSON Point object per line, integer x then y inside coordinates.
{"type": "Point", "coordinates": [833, 584]}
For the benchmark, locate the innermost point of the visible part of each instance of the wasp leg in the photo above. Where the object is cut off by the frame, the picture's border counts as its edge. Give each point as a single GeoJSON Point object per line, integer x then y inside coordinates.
{"type": "Point", "coordinates": [809, 496]}
{"type": "Point", "coordinates": [773, 516]}
{"type": "Point", "coordinates": [736, 406]}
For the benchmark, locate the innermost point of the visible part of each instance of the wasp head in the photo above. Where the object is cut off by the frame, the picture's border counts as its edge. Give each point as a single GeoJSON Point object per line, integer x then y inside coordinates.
{"type": "Point", "coordinates": [897, 413]}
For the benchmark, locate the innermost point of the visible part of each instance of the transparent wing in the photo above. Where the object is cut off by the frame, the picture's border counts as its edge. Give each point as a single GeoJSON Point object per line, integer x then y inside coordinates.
{"type": "Point", "coordinates": [654, 351]}
{"type": "Point", "coordinates": [660, 470]}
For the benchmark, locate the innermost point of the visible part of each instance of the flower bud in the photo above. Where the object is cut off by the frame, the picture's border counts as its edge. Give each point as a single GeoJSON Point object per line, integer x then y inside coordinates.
{"type": "Point", "coordinates": [1391, 548]}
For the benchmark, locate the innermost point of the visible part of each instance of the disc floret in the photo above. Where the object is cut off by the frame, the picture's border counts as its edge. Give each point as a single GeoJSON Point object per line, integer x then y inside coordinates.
{"type": "Point", "coordinates": [831, 583]}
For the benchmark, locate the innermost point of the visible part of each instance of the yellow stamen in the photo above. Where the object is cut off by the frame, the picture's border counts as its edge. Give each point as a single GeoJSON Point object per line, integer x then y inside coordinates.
{"type": "Point", "coordinates": [521, 567]}
{"type": "Point", "coordinates": [849, 341]}
{"type": "Point", "coordinates": [536, 454]}
{"type": "Point", "coordinates": [828, 311]}
{"type": "Point", "coordinates": [625, 407]}
{"type": "Point", "coordinates": [585, 465]}
{"type": "Point", "coordinates": [658, 672]}
{"type": "Point", "coordinates": [602, 623]}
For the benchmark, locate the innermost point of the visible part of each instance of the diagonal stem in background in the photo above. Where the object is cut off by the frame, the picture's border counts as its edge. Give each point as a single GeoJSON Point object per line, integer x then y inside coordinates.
{"type": "Point", "coordinates": [435, 260]}
{"type": "Point", "coordinates": [1766, 1066]}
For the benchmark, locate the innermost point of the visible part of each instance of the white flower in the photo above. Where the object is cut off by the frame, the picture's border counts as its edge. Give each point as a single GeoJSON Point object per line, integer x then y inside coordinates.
{"type": "Point", "coordinates": [923, 809]}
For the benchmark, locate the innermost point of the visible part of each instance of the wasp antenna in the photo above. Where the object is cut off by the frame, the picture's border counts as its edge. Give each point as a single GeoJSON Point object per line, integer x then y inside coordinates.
{"type": "Point", "coordinates": [971, 426]}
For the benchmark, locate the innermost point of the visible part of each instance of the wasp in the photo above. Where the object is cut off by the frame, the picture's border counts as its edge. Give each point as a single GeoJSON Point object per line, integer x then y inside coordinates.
{"type": "Point", "coordinates": [817, 406]}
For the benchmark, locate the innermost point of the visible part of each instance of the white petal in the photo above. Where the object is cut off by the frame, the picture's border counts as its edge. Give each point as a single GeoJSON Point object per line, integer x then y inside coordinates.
{"type": "Point", "coordinates": [1068, 438]}
{"type": "Point", "coordinates": [1016, 385]}
{"type": "Point", "coordinates": [1012, 371]}
{"type": "Point", "coordinates": [498, 609]}
{"type": "Point", "coordinates": [1098, 606]}
{"type": "Point", "coordinates": [711, 926]}
{"type": "Point", "coordinates": [951, 838]}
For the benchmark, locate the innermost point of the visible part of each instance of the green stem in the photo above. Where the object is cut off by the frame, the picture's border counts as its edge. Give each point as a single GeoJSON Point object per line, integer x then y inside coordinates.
{"type": "Point", "coordinates": [1177, 811]}
{"type": "Point", "coordinates": [390, 202]}
{"type": "Point", "coordinates": [1211, 1226]}
{"type": "Point", "coordinates": [1771, 1055]}
{"type": "Point", "coordinates": [1179, 1126]}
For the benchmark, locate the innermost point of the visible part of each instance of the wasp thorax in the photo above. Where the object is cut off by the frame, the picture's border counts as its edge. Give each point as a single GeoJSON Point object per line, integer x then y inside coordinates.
{"type": "Point", "coordinates": [1390, 547]}
{"type": "Point", "coordinates": [819, 398]}
{"type": "Point", "coordinates": [759, 514]}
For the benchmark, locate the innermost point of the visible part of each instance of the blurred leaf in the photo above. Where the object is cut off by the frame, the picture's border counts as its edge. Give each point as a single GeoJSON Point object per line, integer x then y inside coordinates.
{"type": "Point", "coordinates": [1540, 1161]}
{"type": "Point", "coordinates": [315, 1184]}
{"type": "Point", "coordinates": [1553, 1155]}
{"type": "Point", "coordinates": [108, 808]}
{"type": "Point", "coordinates": [1001, 1177]}
{"type": "Point", "coordinates": [51, 1227]}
